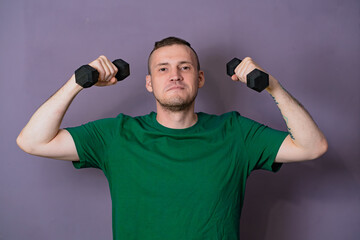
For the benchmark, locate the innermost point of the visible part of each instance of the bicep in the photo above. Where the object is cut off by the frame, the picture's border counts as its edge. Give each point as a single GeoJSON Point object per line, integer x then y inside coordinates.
{"type": "Point", "coordinates": [290, 152]}
{"type": "Point", "coordinates": [62, 147]}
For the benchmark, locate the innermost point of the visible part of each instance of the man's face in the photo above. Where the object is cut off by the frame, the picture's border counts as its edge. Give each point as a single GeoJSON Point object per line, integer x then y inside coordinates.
{"type": "Point", "coordinates": [174, 79]}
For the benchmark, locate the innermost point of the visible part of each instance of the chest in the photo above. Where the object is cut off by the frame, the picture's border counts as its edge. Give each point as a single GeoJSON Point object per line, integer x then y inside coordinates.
{"type": "Point", "coordinates": [168, 167]}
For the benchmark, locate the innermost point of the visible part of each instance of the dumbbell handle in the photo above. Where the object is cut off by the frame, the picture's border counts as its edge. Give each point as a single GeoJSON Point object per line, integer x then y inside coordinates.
{"type": "Point", "coordinates": [256, 80]}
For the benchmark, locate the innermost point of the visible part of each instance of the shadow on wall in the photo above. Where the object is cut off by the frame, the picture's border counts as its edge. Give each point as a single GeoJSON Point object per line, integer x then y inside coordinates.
{"type": "Point", "coordinates": [301, 198]}
{"type": "Point", "coordinates": [218, 94]}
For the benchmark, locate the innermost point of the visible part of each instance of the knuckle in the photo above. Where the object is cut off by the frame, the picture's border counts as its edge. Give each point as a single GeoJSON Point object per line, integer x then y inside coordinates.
{"type": "Point", "coordinates": [248, 59]}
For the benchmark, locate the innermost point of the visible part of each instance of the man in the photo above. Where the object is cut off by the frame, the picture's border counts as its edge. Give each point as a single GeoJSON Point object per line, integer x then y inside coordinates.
{"type": "Point", "coordinates": [174, 174]}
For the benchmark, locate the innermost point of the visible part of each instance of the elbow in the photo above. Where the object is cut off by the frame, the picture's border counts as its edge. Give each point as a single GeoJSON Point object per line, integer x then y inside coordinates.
{"type": "Point", "coordinates": [20, 143]}
{"type": "Point", "coordinates": [24, 145]}
{"type": "Point", "coordinates": [290, 152]}
{"type": "Point", "coordinates": [320, 149]}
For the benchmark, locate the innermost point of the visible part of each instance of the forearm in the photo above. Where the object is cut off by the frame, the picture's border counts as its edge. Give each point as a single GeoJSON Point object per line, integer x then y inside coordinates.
{"type": "Point", "coordinates": [304, 132]}
{"type": "Point", "coordinates": [45, 123]}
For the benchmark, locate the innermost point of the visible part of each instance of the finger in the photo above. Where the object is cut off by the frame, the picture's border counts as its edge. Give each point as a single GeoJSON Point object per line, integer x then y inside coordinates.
{"type": "Point", "coordinates": [112, 68]}
{"type": "Point", "coordinates": [239, 71]}
{"type": "Point", "coordinates": [246, 66]}
{"type": "Point", "coordinates": [99, 67]}
{"type": "Point", "coordinates": [234, 78]}
{"type": "Point", "coordinates": [107, 72]}
{"type": "Point", "coordinates": [113, 81]}
{"type": "Point", "coordinates": [245, 70]}
{"type": "Point", "coordinates": [253, 65]}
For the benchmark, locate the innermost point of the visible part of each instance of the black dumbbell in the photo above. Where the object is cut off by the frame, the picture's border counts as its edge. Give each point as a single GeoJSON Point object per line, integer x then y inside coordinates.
{"type": "Point", "coordinates": [256, 79]}
{"type": "Point", "coordinates": [86, 76]}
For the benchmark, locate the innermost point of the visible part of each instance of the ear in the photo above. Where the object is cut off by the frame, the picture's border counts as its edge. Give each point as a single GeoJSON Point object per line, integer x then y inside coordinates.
{"type": "Point", "coordinates": [148, 83]}
{"type": "Point", "coordinates": [201, 79]}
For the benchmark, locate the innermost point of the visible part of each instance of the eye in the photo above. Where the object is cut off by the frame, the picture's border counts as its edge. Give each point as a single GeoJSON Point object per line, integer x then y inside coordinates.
{"type": "Point", "coordinates": [162, 69]}
{"type": "Point", "coordinates": [185, 68]}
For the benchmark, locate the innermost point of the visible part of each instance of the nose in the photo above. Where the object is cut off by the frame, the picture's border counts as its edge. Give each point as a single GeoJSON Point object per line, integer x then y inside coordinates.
{"type": "Point", "coordinates": [176, 75]}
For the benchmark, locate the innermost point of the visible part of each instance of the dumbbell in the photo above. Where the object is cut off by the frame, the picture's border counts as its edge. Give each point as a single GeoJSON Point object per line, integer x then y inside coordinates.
{"type": "Point", "coordinates": [86, 76]}
{"type": "Point", "coordinates": [256, 79]}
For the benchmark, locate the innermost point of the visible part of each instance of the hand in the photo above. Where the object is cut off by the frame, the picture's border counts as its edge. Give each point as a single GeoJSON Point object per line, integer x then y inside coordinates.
{"type": "Point", "coordinates": [246, 66]}
{"type": "Point", "coordinates": [107, 71]}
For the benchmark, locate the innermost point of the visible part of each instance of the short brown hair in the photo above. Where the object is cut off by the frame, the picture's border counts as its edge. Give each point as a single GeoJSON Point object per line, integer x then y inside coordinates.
{"type": "Point", "coordinates": [172, 41]}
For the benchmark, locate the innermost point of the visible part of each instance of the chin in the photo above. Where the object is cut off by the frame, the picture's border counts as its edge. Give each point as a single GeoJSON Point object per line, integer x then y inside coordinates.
{"type": "Point", "coordinates": [176, 105]}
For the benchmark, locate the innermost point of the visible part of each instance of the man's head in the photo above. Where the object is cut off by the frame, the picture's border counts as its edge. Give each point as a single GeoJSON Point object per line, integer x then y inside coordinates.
{"type": "Point", "coordinates": [174, 74]}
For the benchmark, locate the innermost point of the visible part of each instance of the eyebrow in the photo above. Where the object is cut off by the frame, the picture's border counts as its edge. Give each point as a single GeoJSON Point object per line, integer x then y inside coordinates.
{"type": "Point", "coordinates": [166, 63]}
{"type": "Point", "coordinates": [161, 64]}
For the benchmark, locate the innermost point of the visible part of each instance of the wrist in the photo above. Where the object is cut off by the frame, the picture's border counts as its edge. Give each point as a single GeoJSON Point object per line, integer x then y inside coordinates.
{"type": "Point", "coordinates": [274, 85]}
{"type": "Point", "coordinates": [72, 86]}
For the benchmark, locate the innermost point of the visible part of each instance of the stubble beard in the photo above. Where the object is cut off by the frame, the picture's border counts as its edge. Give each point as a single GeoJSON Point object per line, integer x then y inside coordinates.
{"type": "Point", "coordinates": [176, 104]}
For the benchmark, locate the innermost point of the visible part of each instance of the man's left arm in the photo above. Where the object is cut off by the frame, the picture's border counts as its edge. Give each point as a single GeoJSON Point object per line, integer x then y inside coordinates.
{"type": "Point", "coordinates": [305, 140]}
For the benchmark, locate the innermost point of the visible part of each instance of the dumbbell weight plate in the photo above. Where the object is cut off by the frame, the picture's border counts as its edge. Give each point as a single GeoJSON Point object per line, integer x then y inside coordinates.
{"type": "Point", "coordinates": [123, 69]}
{"type": "Point", "coordinates": [86, 76]}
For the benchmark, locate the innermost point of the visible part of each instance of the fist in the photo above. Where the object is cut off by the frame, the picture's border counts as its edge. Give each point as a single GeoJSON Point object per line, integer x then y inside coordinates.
{"type": "Point", "coordinates": [107, 71]}
{"type": "Point", "coordinates": [246, 66]}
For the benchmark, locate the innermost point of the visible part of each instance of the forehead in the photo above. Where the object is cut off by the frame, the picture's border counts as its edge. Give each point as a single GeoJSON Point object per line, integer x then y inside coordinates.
{"type": "Point", "coordinates": [172, 53]}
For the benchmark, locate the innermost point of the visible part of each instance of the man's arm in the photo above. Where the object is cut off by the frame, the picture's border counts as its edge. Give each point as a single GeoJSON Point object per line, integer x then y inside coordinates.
{"type": "Point", "coordinates": [305, 140]}
{"type": "Point", "coordinates": [42, 135]}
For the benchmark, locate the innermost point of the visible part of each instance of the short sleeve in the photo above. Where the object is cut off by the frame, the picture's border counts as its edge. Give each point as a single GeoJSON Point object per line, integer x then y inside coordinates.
{"type": "Point", "coordinates": [262, 144]}
{"type": "Point", "coordinates": [91, 141]}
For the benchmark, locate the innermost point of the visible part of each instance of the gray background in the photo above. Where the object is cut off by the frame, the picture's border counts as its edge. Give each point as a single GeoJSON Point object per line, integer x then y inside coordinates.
{"type": "Point", "coordinates": [311, 47]}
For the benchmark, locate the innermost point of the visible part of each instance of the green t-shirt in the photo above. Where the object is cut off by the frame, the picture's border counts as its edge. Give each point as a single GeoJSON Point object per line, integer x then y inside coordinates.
{"type": "Point", "coordinates": [177, 183]}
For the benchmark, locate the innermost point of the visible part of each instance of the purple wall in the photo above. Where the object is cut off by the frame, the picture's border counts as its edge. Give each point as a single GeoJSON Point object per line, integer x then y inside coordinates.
{"type": "Point", "coordinates": [312, 47]}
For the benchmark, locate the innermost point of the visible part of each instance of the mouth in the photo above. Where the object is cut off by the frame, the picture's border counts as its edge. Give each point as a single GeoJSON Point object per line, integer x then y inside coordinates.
{"type": "Point", "coordinates": [175, 87]}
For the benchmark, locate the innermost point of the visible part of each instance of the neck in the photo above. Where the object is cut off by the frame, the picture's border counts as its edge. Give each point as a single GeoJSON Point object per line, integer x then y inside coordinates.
{"type": "Point", "coordinates": [176, 119]}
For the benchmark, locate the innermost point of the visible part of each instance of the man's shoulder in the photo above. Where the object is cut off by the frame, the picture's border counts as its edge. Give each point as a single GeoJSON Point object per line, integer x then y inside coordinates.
{"type": "Point", "coordinates": [112, 122]}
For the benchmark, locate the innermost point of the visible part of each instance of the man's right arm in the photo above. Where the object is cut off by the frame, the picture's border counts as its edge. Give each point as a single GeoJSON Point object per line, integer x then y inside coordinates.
{"type": "Point", "coordinates": [42, 135]}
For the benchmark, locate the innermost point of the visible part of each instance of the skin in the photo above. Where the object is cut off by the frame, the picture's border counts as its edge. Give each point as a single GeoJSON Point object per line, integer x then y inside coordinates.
{"type": "Point", "coordinates": [174, 81]}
